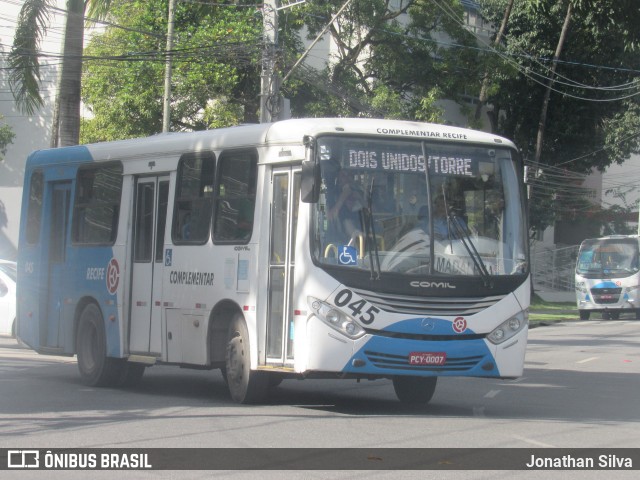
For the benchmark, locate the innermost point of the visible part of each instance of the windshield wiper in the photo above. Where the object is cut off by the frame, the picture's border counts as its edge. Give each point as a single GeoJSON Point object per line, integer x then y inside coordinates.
{"type": "Point", "coordinates": [370, 232]}
{"type": "Point", "coordinates": [464, 237]}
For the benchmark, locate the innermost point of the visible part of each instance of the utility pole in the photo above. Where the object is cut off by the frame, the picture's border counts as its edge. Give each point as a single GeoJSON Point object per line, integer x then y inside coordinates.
{"type": "Point", "coordinates": [270, 103]}
{"type": "Point", "coordinates": [166, 110]}
{"type": "Point", "coordinates": [545, 103]}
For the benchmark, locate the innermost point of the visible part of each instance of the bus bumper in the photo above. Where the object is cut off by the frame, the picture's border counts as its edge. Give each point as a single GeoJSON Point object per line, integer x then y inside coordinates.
{"type": "Point", "coordinates": [628, 300]}
{"type": "Point", "coordinates": [384, 356]}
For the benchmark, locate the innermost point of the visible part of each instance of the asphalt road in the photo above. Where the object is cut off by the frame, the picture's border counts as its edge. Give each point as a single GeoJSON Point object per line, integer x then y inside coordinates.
{"type": "Point", "coordinates": [580, 390]}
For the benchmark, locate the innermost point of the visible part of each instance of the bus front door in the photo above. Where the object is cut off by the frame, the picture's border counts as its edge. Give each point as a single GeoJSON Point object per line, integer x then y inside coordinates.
{"type": "Point", "coordinates": [284, 216]}
{"type": "Point", "coordinates": [60, 200]}
{"type": "Point", "coordinates": [150, 200]}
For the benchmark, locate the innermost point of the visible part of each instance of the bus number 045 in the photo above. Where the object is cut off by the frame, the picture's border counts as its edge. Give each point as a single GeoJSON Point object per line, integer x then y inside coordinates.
{"type": "Point", "coordinates": [359, 308]}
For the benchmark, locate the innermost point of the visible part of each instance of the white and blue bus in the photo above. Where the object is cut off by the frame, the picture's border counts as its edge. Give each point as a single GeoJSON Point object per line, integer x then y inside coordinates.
{"type": "Point", "coordinates": [307, 248]}
{"type": "Point", "coordinates": [608, 277]}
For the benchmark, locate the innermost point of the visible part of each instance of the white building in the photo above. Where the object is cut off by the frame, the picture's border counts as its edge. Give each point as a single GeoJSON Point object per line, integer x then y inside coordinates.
{"type": "Point", "coordinates": [621, 186]}
{"type": "Point", "coordinates": [32, 132]}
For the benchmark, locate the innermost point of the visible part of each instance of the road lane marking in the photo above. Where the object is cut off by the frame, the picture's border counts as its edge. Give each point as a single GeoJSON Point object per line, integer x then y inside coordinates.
{"type": "Point", "coordinates": [492, 393]}
{"type": "Point", "coordinates": [590, 359]}
{"type": "Point", "coordinates": [533, 442]}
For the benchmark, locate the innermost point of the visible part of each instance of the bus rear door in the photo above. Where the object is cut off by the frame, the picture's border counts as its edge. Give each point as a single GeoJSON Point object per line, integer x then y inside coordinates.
{"type": "Point", "coordinates": [151, 198]}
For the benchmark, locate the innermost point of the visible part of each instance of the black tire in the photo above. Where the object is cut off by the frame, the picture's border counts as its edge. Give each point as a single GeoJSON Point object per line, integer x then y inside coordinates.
{"type": "Point", "coordinates": [414, 390]}
{"type": "Point", "coordinates": [245, 385]}
{"type": "Point", "coordinates": [96, 369]}
{"type": "Point", "coordinates": [614, 315]}
{"type": "Point", "coordinates": [584, 314]}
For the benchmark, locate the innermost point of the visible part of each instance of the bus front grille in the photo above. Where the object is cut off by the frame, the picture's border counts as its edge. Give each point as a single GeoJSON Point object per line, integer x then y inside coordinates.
{"type": "Point", "coordinates": [606, 295]}
{"type": "Point", "coordinates": [433, 306]}
{"type": "Point", "coordinates": [401, 362]}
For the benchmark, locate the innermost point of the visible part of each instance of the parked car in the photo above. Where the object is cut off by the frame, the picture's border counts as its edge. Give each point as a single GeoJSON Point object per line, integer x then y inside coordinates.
{"type": "Point", "coordinates": [8, 271]}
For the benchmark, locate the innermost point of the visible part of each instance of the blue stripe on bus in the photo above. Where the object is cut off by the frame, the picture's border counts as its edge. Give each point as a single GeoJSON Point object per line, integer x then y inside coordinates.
{"type": "Point", "coordinates": [83, 284]}
{"type": "Point", "coordinates": [383, 355]}
{"type": "Point", "coordinates": [390, 356]}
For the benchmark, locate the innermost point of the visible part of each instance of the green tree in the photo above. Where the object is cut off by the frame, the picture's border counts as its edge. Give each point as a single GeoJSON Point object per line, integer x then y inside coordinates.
{"type": "Point", "coordinates": [24, 78]}
{"type": "Point", "coordinates": [391, 59]}
{"type": "Point", "coordinates": [592, 113]}
{"type": "Point", "coordinates": [6, 137]}
{"type": "Point", "coordinates": [588, 110]}
{"type": "Point", "coordinates": [215, 62]}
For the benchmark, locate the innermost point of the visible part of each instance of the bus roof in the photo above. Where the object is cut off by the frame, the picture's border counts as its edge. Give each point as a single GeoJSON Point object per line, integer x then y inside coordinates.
{"type": "Point", "coordinates": [282, 132]}
{"type": "Point", "coordinates": [609, 237]}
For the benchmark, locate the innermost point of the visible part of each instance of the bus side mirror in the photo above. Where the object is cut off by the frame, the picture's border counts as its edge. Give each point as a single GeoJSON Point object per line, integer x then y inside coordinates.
{"type": "Point", "coordinates": [310, 182]}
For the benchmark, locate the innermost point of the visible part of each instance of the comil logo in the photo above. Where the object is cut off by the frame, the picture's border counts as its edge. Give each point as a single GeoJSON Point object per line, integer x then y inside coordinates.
{"type": "Point", "coordinates": [23, 459]}
{"type": "Point", "coordinates": [431, 284]}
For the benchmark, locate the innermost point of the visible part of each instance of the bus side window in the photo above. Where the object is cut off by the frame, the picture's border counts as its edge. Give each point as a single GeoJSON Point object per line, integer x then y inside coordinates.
{"type": "Point", "coordinates": [34, 208]}
{"type": "Point", "coordinates": [235, 196]}
{"type": "Point", "coordinates": [96, 207]}
{"type": "Point", "coordinates": [193, 203]}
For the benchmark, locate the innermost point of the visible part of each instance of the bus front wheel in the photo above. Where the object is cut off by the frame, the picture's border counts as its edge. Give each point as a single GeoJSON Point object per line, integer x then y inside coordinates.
{"type": "Point", "coordinates": [245, 385]}
{"type": "Point", "coordinates": [96, 369]}
{"type": "Point", "coordinates": [414, 390]}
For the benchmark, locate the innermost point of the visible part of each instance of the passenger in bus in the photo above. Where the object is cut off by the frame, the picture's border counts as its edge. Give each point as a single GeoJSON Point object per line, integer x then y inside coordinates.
{"type": "Point", "coordinates": [493, 215]}
{"type": "Point", "coordinates": [443, 218]}
{"type": "Point", "coordinates": [423, 219]}
{"type": "Point", "coordinates": [382, 200]}
{"type": "Point", "coordinates": [347, 205]}
{"type": "Point", "coordinates": [409, 206]}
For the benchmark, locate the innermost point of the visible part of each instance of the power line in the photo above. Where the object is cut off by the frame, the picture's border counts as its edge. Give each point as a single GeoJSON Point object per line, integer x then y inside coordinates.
{"type": "Point", "coordinates": [524, 71]}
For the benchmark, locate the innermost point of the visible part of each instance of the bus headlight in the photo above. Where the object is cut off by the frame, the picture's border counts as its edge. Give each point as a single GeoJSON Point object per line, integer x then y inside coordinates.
{"type": "Point", "coordinates": [337, 320]}
{"type": "Point", "coordinates": [508, 329]}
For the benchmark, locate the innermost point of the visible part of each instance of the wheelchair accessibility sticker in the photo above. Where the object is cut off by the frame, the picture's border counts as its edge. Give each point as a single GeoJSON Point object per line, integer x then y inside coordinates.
{"type": "Point", "coordinates": [347, 255]}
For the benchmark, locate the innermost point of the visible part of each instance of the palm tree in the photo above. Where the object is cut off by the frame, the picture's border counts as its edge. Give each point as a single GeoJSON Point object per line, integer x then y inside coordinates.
{"type": "Point", "coordinates": [24, 72]}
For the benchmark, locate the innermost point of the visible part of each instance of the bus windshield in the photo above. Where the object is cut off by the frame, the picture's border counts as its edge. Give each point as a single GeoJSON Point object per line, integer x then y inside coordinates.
{"type": "Point", "coordinates": [610, 257]}
{"type": "Point", "coordinates": [421, 208]}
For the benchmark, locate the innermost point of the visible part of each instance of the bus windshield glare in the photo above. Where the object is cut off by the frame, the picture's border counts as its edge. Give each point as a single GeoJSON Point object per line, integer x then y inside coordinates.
{"type": "Point", "coordinates": [418, 208]}
{"type": "Point", "coordinates": [608, 257]}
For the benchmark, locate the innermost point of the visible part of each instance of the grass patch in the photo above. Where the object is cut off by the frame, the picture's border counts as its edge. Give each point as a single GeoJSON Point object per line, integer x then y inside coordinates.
{"type": "Point", "coordinates": [553, 317]}
{"type": "Point", "coordinates": [539, 304]}
{"type": "Point", "coordinates": [552, 311]}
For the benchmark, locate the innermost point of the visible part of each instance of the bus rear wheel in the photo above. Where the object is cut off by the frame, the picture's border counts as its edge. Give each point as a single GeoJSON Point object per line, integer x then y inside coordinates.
{"type": "Point", "coordinates": [245, 385]}
{"type": "Point", "coordinates": [96, 369]}
{"type": "Point", "coordinates": [414, 390]}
